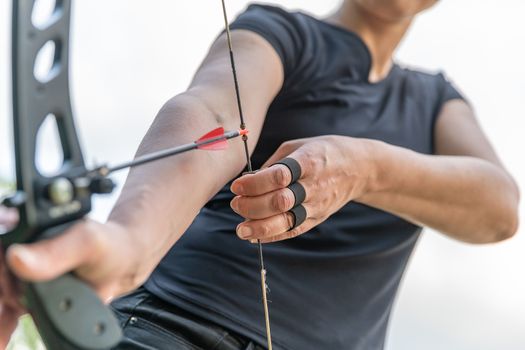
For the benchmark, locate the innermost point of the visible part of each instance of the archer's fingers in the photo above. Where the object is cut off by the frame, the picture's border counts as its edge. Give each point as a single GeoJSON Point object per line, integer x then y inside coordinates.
{"type": "Point", "coordinates": [264, 181]}
{"type": "Point", "coordinates": [270, 227]}
{"type": "Point", "coordinates": [48, 259]}
{"type": "Point", "coordinates": [266, 205]}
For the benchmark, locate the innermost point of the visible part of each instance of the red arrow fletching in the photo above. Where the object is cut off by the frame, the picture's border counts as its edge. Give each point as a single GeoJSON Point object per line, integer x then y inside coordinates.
{"type": "Point", "coordinates": [215, 145]}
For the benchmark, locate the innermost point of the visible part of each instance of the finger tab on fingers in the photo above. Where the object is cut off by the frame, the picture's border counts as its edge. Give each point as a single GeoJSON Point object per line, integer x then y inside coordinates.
{"type": "Point", "coordinates": [293, 167]}
{"type": "Point", "coordinates": [299, 215]}
{"type": "Point", "coordinates": [299, 193]}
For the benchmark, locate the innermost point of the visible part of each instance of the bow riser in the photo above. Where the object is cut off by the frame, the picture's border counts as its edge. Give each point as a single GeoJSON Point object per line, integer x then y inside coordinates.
{"type": "Point", "coordinates": [33, 102]}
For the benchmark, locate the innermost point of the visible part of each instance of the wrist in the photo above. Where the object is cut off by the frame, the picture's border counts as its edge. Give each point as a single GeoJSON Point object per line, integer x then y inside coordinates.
{"type": "Point", "coordinates": [375, 164]}
{"type": "Point", "coordinates": [137, 211]}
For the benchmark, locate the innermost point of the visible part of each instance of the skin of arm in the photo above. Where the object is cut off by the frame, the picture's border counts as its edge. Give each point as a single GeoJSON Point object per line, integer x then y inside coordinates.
{"type": "Point", "coordinates": [463, 191]}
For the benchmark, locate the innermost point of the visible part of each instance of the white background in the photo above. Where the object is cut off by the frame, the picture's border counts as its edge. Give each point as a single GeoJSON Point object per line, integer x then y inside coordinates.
{"type": "Point", "coordinates": [130, 56]}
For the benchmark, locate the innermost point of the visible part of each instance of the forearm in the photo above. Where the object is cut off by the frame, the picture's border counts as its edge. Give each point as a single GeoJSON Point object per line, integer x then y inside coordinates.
{"type": "Point", "coordinates": [163, 197]}
{"type": "Point", "coordinates": [466, 198]}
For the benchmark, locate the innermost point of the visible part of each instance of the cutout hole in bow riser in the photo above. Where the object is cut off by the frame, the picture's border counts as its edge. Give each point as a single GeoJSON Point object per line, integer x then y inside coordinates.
{"type": "Point", "coordinates": [45, 13]}
{"type": "Point", "coordinates": [49, 155]}
{"type": "Point", "coordinates": [47, 62]}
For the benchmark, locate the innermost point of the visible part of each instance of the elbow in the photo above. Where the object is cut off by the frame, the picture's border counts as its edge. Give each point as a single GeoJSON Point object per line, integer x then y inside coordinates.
{"type": "Point", "coordinates": [506, 229]}
{"type": "Point", "coordinates": [506, 221]}
{"type": "Point", "coordinates": [492, 230]}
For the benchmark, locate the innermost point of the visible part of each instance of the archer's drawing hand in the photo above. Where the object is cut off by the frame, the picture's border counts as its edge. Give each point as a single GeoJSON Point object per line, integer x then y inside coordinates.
{"type": "Point", "coordinates": [10, 308]}
{"type": "Point", "coordinates": [335, 170]}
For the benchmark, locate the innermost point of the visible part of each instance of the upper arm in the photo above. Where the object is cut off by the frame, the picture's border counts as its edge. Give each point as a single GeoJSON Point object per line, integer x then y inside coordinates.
{"type": "Point", "coordinates": [457, 132]}
{"type": "Point", "coordinates": [260, 75]}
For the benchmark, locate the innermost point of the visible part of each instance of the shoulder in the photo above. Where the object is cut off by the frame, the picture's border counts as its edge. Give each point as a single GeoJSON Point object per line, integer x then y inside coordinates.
{"type": "Point", "coordinates": [309, 48]}
{"type": "Point", "coordinates": [267, 20]}
{"type": "Point", "coordinates": [422, 76]}
{"type": "Point", "coordinates": [291, 34]}
{"type": "Point", "coordinates": [430, 85]}
{"type": "Point", "coordinates": [301, 26]}
{"type": "Point", "coordinates": [272, 12]}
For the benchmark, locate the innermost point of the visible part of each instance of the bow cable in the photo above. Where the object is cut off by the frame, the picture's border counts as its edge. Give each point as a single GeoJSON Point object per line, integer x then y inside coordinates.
{"type": "Point", "coordinates": [249, 170]}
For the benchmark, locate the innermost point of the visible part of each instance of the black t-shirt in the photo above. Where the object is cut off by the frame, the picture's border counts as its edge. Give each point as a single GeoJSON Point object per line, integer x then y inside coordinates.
{"type": "Point", "coordinates": [333, 287]}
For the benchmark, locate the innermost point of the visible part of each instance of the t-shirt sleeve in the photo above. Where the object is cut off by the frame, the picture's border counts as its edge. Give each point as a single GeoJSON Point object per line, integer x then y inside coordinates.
{"type": "Point", "coordinates": [276, 26]}
{"type": "Point", "coordinates": [448, 91]}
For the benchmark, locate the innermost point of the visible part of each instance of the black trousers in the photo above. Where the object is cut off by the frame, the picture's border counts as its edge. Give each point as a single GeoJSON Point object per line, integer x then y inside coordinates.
{"type": "Point", "coordinates": [152, 324]}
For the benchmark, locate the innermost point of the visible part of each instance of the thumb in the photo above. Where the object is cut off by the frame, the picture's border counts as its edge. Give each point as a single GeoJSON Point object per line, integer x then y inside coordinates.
{"type": "Point", "coordinates": [51, 258]}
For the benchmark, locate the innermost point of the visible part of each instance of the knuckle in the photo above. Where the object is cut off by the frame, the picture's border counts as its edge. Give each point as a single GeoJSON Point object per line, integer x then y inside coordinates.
{"type": "Point", "coordinates": [281, 176]}
{"type": "Point", "coordinates": [286, 145]}
{"type": "Point", "coordinates": [262, 230]}
{"type": "Point", "coordinates": [282, 201]}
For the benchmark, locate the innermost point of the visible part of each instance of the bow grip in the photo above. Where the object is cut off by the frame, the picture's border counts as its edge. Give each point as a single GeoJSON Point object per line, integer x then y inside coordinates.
{"type": "Point", "coordinates": [68, 313]}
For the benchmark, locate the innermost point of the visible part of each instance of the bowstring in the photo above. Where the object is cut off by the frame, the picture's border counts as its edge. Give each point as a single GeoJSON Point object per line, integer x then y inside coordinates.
{"type": "Point", "coordinates": [264, 286]}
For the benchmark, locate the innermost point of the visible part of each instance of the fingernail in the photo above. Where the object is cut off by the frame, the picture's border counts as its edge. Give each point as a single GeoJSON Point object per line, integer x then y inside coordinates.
{"type": "Point", "coordinates": [253, 241]}
{"type": "Point", "coordinates": [23, 255]}
{"type": "Point", "coordinates": [244, 231]}
{"type": "Point", "coordinates": [236, 188]}
{"type": "Point", "coordinates": [233, 204]}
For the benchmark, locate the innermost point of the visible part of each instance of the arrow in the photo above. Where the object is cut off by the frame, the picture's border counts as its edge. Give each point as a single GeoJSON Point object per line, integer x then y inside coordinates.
{"type": "Point", "coordinates": [212, 141]}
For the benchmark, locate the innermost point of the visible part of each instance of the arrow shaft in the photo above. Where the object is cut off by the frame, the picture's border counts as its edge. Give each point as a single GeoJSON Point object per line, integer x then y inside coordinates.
{"type": "Point", "coordinates": [173, 151]}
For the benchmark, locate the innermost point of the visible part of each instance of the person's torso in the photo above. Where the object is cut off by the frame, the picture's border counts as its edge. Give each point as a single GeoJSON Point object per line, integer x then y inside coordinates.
{"type": "Point", "coordinates": [332, 287]}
